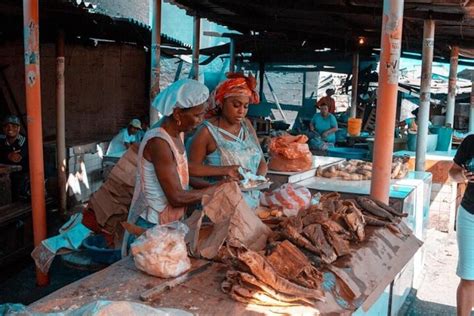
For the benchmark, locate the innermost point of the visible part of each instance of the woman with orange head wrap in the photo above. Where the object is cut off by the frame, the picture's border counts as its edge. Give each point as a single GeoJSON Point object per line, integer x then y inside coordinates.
{"type": "Point", "coordinates": [227, 138]}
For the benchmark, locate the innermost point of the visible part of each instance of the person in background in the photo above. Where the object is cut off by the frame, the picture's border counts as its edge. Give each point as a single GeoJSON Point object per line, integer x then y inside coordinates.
{"type": "Point", "coordinates": [127, 136]}
{"type": "Point", "coordinates": [14, 151]}
{"type": "Point", "coordinates": [323, 127]}
{"type": "Point", "coordinates": [145, 123]}
{"type": "Point", "coordinates": [328, 100]}
{"type": "Point", "coordinates": [227, 140]}
{"type": "Point", "coordinates": [462, 172]}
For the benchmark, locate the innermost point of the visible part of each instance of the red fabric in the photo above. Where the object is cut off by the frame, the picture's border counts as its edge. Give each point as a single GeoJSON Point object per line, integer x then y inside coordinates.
{"type": "Point", "coordinates": [329, 101]}
{"type": "Point", "coordinates": [89, 220]}
{"type": "Point", "coordinates": [237, 84]}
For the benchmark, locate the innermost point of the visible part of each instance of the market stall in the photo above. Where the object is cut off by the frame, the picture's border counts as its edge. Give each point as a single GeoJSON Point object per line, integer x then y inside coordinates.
{"type": "Point", "coordinates": [201, 293]}
{"type": "Point", "coordinates": [281, 177]}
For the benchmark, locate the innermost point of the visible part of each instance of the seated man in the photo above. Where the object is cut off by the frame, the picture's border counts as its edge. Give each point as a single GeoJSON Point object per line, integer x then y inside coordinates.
{"type": "Point", "coordinates": [127, 136]}
{"type": "Point", "coordinates": [14, 151]}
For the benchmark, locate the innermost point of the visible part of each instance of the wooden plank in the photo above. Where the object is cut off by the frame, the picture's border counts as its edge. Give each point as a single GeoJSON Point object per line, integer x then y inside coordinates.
{"type": "Point", "coordinates": [371, 267]}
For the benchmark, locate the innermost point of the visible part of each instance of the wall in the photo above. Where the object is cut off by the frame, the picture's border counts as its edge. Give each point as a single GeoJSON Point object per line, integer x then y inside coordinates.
{"type": "Point", "coordinates": [106, 86]}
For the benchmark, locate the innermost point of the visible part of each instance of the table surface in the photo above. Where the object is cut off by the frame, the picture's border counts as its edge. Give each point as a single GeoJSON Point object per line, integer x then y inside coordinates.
{"type": "Point", "coordinates": [7, 169]}
{"type": "Point", "coordinates": [372, 265]}
{"type": "Point", "coordinates": [317, 162]}
{"type": "Point", "coordinates": [399, 188]}
{"type": "Point", "coordinates": [433, 155]}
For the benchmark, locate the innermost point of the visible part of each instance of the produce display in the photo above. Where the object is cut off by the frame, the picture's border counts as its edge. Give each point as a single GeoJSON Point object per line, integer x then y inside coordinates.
{"type": "Point", "coordinates": [314, 239]}
{"type": "Point", "coordinates": [356, 170]}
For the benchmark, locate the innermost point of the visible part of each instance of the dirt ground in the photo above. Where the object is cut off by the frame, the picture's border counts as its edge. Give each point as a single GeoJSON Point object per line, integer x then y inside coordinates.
{"type": "Point", "coordinates": [437, 293]}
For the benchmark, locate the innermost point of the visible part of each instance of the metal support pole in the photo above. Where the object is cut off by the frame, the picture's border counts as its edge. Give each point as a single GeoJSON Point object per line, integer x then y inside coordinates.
{"type": "Point", "coordinates": [196, 42]}
{"type": "Point", "coordinates": [261, 75]}
{"type": "Point", "coordinates": [61, 122]}
{"type": "Point", "coordinates": [155, 57]}
{"type": "Point", "coordinates": [35, 131]}
{"type": "Point", "coordinates": [451, 99]}
{"type": "Point", "coordinates": [425, 98]}
{"type": "Point", "coordinates": [391, 42]}
{"type": "Point", "coordinates": [471, 112]}
{"type": "Point", "coordinates": [232, 55]}
{"type": "Point", "coordinates": [355, 83]}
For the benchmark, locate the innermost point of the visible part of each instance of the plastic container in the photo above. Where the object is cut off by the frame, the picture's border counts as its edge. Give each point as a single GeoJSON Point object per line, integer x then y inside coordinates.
{"type": "Point", "coordinates": [348, 152]}
{"type": "Point", "coordinates": [434, 129]}
{"type": "Point", "coordinates": [445, 137]}
{"type": "Point", "coordinates": [96, 248]}
{"type": "Point", "coordinates": [432, 141]}
{"type": "Point", "coordinates": [354, 126]}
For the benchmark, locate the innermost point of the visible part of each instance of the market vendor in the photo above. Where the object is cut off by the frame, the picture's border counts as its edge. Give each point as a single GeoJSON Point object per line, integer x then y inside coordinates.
{"type": "Point", "coordinates": [323, 129]}
{"type": "Point", "coordinates": [14, 151]}
{"type": "Point", "coordinates": [411, 123]}
{"type": "Point", "coordinates": [462, 172]}
{"type": "Point", "coordinates": [328, 100]}
{"type": "Point", "coordinates": [228, 138]}
{"type": "Point", "coordinates": [127, 136]}
{"type": "Point", "coordinates": [162, 188]}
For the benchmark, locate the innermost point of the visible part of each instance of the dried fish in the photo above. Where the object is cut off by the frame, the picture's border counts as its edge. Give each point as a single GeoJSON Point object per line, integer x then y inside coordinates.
{"type": "Point", "coordinates": [315, 234]}
{"type": "Point", "coordinates": [371, 207]}
{"type": "Point", "coordinates": [264, 272]}
{"type": "Point", "coordinates": [389, 209]}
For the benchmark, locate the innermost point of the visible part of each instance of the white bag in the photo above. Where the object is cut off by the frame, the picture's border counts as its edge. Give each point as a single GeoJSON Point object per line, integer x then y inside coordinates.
{"type": "Point", "coordinates": [290, 197]}
{"type": "Point", "coordinates": [161, 250]}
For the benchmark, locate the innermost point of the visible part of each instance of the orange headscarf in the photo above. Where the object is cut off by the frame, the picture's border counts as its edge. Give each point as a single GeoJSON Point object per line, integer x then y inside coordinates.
{"type": "Point", "coordinates": [236, 84]}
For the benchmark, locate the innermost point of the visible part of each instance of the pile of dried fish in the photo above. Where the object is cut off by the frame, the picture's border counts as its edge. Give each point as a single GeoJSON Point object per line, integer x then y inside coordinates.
{"type": "Point", "coordinates": [354, 170]}
{"type": "Point", "coordinates": [289, 272]}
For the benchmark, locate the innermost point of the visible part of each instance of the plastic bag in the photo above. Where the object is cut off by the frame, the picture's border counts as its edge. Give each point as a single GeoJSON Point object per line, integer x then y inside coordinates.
{"type": "Point", "coordinates": [97, 308]}
{"type": "Point", "coordinates": [290, 153]}
{"type": "Point", "coordinates": [291, 197]}
{"type": "Point", "coordinates": [161, 250]}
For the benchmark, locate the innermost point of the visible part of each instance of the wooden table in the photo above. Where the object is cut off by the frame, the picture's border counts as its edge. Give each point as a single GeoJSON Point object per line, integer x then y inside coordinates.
{"type": "Point", "coordinates": [367, 272]}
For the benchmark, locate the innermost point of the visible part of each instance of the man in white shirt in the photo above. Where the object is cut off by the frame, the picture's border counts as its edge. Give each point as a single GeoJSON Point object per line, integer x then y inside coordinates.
{"type": "Point", "coordinates": [125, 138]}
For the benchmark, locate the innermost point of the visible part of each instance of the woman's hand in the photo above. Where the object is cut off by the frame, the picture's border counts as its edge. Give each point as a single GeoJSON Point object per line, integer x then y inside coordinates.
{"type": "Point", "coordinates": [232, 172]}
{"type": "Point", "coordinates": [468, 175]}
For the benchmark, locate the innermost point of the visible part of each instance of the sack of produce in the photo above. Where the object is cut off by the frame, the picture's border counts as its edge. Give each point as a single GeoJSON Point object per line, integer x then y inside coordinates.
{"type": "Point", "coordinates": [291, 197]}
{"type": "Point", "coordinates": [161, 251]}
{"type": "Point", "coordinates": [290, 153]}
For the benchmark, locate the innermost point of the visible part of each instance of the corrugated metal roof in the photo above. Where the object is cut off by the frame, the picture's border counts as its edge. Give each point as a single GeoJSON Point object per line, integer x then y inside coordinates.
{"type": "Point", "coordinates": [336, 24]}
{"type": "Point", "coordinates": [85, 20]}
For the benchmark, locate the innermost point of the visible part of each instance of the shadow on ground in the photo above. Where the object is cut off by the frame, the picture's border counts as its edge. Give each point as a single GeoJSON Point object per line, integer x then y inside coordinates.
{"type": "Point", "coordinates": [21, 287]}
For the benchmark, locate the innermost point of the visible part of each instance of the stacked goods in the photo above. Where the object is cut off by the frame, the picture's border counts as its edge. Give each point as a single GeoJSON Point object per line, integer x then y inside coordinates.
{"type": "Point", "coordinates": [355, 170]}
{"type": "Point", "coordinates": [108, 206]}
{"type": "Point", "coordinates": [290, 154]}
{"type": "Point", "coordinates": [314, 239]}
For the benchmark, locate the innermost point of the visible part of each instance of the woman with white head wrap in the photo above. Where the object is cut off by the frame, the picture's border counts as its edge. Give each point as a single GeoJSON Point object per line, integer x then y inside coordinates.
{"type": "Point", "coordinates": [162, 186]}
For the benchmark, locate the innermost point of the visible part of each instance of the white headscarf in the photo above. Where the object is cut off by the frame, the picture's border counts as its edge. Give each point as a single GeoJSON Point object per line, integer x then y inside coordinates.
{"type": "Point", "coordinates": [183, 94]}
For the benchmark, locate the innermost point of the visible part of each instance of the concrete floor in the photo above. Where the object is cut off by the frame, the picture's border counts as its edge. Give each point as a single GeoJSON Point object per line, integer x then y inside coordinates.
{"type": "Point", "coordinates": [437, 293]}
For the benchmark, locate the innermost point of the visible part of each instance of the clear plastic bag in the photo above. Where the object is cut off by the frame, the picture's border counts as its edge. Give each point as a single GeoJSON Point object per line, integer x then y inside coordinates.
{"type": "Point", "coordinates": [161, 251]}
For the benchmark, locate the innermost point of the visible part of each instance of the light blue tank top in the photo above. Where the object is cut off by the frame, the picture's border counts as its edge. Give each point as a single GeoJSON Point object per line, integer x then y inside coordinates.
{"type": "Point", "coordinates": [242, 150]}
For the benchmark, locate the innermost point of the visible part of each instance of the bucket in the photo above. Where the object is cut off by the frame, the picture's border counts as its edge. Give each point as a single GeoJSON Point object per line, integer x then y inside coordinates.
{"type": "Point", "coordinates": [354, 125]}
{"type": "Point", "coordinates": [431, 140]}
{"type": "Point", "coordinates": [445, 137]}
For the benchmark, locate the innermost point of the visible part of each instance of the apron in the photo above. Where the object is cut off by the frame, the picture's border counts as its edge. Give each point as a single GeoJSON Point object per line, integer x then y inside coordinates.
{"type": "Point", "coordinates": [242, 150]}
{"type": "Point", "coordinates": [140, 204]}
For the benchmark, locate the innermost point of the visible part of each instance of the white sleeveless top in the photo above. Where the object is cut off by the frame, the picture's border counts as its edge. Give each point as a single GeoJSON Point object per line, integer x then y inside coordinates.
{"type": "Point", "coordinates": [149, 198]}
